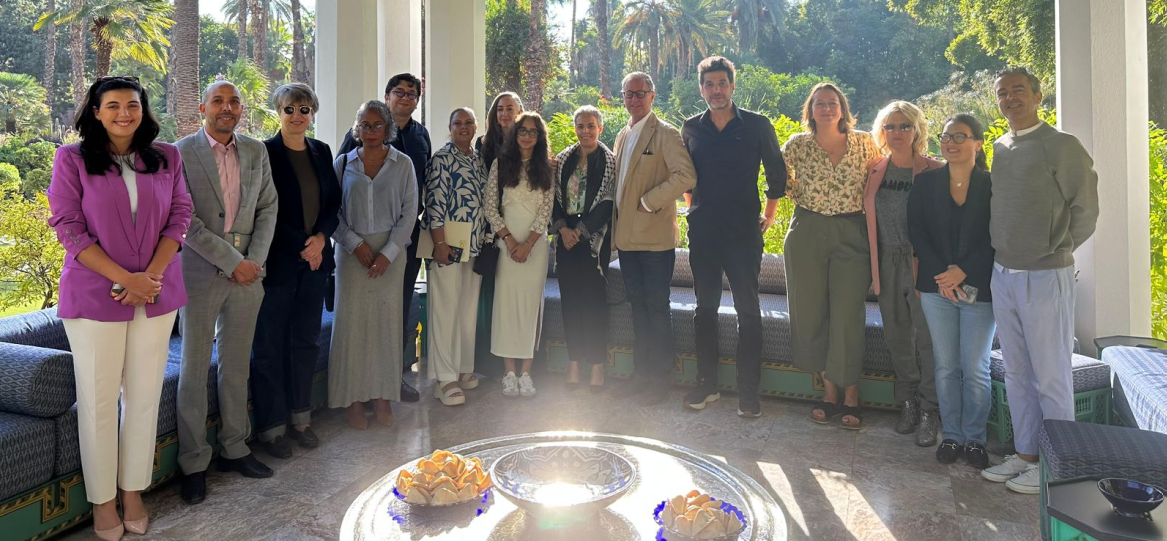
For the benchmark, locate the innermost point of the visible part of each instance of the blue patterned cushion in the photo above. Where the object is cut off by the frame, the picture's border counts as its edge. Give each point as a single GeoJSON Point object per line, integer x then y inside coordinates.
{"type": "Point", "coordinates": [36, 381]}
{"type": "Point", "coordinates": [1089, 374]}
{"type": "Point", "coordinates": [40, 328]}
{"type": "Point", "coordinates": [1073, 449]}
{"type": "Point", "coordinates": [68, 448]}
{"type": "Point", "coordinates": [997, 343]}
{"type": "Point", "coordinates": [773, 275]}
{"type": "Point", "coordinates": [28, 456]}
{"type": "Point", "coordinates": [1142, 373]}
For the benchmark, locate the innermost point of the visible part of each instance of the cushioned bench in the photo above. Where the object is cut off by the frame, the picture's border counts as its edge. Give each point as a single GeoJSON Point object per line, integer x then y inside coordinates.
{"type": "Point", "coordinates": [1140, 386]}
{"type": "Point", "coordinates": [1091, 393]}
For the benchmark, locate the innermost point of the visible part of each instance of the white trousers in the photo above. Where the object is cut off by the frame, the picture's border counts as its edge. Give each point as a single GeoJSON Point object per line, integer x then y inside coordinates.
{"type": "Point", "coordinates": [112, 359]}
{"type": "Point", "coordinates": [452, 304]}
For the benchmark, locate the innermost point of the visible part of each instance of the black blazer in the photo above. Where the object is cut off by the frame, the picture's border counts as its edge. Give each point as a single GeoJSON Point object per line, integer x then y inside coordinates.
{"type": "Point", "coordinates": [283, 260]}
{"type": "Point", "coordinates": [593, 218]}
{"type": "Point", "coordinates": [930, 213]}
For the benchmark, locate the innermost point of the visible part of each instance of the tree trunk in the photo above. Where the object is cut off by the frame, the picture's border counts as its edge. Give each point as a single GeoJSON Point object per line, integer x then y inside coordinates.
{"type": "Point", "coordinates": [241, 30]}
{"type": "Point", "coordinates": [536, 57]}
{"type": "Point", "coordinates": [298, 66]}
{"type": "Point", "coordinates": [601, 13]}
{"type": "Point", "coordinates": [259, 34]}
{"type": "Point", "coordinates": [654, 55]}
{"type": "Point", "coordinates": [186, 61]}
{"type": "Point", "coordinates": [50, 76]}
{"type": "Point", "coordinates": [103, 45]}
{"type": "Point", "coordinates": [77, 57]}
{"type": "Point", "coordinates": [571, 66]}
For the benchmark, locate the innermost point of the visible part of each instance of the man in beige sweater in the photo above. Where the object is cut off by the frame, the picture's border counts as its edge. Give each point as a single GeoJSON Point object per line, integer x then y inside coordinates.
{"type": "Point", "coordinates": [654, 169]}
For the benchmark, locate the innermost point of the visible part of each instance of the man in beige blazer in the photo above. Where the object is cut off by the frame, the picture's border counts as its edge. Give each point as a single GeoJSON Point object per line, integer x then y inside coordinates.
{"type": "Point", "coordinates": [654, 169]}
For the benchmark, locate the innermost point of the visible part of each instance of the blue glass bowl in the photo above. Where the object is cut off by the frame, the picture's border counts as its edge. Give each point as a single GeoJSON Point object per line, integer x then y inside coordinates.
{"type": "Point", "coordinates": [666, 534]}
{"type": "Point", "coordinates": [563, 483]}
{"type": "Point", "coordinates": [1131, 498]}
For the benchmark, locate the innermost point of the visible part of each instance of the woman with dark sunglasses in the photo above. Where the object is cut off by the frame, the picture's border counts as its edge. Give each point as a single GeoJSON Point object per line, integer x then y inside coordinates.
{"type": "Point", "coordinates": [287, 332]}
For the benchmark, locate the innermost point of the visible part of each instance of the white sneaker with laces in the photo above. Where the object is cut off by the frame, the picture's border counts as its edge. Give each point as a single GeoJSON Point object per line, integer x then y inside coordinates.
{"type": "Point", "coordinates": [526, 385]}
{"type": "Point", "coordinates": [510, 385]}
{"type": "Point", "coordinates": [1010, 468]}
{"type": "Point", "coordinates": [1029, 482]}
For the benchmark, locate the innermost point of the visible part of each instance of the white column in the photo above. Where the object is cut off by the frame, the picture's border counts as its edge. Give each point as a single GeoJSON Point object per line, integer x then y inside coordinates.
{"type": "Point", "coordinates": [346, 64]}
{"type": "Point", "coordinates": [1102, 99]}
{"type": "Point", "coordinates": [399, 41]}
{"type": "Point", "coordinates": [456, 62]}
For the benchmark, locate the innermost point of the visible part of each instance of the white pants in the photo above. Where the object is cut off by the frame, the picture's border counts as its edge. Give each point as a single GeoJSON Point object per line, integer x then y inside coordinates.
{"type": "Point", "coordinates": [452, 303]}
{"type": "Point", "coordinates": [125, 358]}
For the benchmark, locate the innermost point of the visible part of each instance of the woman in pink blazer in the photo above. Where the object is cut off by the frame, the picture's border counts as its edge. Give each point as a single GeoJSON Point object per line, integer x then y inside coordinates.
{"type": "Point", "coordinates": [121, 209]}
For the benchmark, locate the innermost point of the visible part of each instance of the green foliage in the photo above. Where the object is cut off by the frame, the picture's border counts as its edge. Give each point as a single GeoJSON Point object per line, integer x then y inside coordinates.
{"type": "Point", "coordinates": [9, 180]}
{"type": "Point", "coordinates": [33, 260]}
{"type": "Point", "coordinates": [27, 157]}
{"type": "Point", "coordinates": [774, 241]}
{"type": "Point", "coordinates": [507, 29]}
{"type": "Point", "coordinates": [35, 181]}
{"type": "Point", "coordinates": [131, 29]}
{"type": "Point", "coordinates": [216, 47]}
{"type": "Point", "coordinates": [756, 88]}
{"type": "Point", "coordinates": [258, 120]}
{"type": "Point", "coordinates": [22, 103]}
{"type": "Point", "coordinates": [1158, 175]}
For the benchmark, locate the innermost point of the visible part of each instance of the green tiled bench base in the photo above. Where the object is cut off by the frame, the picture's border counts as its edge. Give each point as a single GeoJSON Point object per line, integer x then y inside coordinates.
{"type": "Point", "coordinates": [778, 379]}
{"type": "Point", "coordinates": [1089, 406]}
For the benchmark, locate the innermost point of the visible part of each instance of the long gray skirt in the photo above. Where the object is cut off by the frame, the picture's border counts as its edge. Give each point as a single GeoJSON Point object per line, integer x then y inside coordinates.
{"type": "Point", "coordinates": [365, 361]}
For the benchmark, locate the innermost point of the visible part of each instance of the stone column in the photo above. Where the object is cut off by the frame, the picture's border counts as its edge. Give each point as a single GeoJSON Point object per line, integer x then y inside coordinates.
{"type": "Point", "coordinates": [346, 64]}
{"type": "Point", "coordinates": [456, 67]}
{"type": "Point", "coordinates": [399, 41]}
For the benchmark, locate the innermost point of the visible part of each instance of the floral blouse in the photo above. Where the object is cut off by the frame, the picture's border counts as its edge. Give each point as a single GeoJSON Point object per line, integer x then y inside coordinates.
{"type": "Point", "coordinates": [817, 185]}
{"type": "Point", "coordinates": [523, 194]}
{"type": "Point", "coordinates": [454, 187]}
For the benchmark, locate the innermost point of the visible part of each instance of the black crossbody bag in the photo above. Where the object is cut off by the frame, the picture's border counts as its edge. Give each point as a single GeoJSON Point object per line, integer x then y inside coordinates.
{"type": "Point", "coordinates": [486, 264]}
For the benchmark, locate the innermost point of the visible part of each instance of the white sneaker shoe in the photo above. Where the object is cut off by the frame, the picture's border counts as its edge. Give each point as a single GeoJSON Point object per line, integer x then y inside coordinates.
{"type": "Point", "coordinates": [1029, 482]}
{"type": "Point", "coordinates": [510, 385]}
{"type": "Point", "coordinates": [1010, 468]}
{"type": "Point", "coordinates": [526, 385]}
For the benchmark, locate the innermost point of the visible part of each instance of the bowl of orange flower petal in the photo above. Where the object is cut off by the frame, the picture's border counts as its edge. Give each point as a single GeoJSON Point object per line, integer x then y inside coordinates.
{"type": "Point", "coordinates": [442, 479]}
{"type": "Point", "coordinates": [697, 516]}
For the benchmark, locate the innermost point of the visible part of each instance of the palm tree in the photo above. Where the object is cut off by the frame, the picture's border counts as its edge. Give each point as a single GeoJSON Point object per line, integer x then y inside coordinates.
{"type": "Point", "coordinates": [253, 85]}
{"type": "Point", "coordinates": [132, 29]}
{"type": "Point", "coordinates": [641, 27]}
{"type": "Point", "coordinates": [21, 98]}
{"type": "Point", "coordinates": [600, 12]}
{"type": "Point", "coordinates": [749, 15]}
{"type": "Point", "coordinates": [77, 55]}
{"type": "Point", "coordinates": [185, 76]}
{"type": "Point", "coordinates": [299, 67]}
{"type": "Point", "coordinates": [696, 31]}
{"type": "Point", "coordinates": [537, 61]}
{"type": "Point", "coordinates": [50, 56]}
{"type": "Point", "coordinates": [258, 33]}
{"type": "Point", "coordinates": [263, 14]}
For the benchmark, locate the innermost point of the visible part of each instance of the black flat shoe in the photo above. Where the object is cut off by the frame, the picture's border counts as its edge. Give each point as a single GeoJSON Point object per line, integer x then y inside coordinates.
{"type": "Point", "coordinates": [307, 438]}
{"type": "Point", "coordinates": [194, 488]}
{"type": "Point", "coordinates": [248, 466]}
{"type": "Point", "coordinates": [278, 447]}
{"type": "Point", "coordinates": [976, 455]}
{"type": "Point", "coordinates": [948, 452]}
{"type": "Point", "coordinates": [408, 393]}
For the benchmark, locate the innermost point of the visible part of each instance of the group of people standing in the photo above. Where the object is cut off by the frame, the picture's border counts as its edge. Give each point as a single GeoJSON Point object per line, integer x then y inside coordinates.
{"type": "Point", "coordinates": [238, 239]}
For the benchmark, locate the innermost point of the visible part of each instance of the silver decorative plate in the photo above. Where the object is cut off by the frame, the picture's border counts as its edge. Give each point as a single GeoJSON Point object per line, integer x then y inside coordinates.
{"type": "Point", "coordinates": [563, 482]}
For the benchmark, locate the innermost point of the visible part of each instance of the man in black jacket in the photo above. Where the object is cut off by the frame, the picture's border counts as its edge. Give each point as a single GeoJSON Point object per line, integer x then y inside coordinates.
{"type": "Point", "coordinates": [402, 94]}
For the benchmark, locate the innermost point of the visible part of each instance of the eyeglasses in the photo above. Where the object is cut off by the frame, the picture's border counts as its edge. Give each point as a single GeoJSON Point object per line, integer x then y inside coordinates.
{"type": "Point", "coordinates": [403, 94]}
{"type": "Point", "coordinates": [898, 127]}
{"type": "Point", "coordinates": [375, 127]}
{"type": "Point", "coordinates": [957, 138]}
{"type": "Point", "coordinates": [127, 78]}
{"type": "Point", "coordinates": [304, 110]}
{"type": "Point", "coordinates": [528, 132]}
{"type": "Point", "coordinates": [639, 94]}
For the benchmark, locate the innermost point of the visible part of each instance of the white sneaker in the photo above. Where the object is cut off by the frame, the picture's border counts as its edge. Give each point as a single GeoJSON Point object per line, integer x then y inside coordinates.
{"type": "Point", "coordinates": [510, 385]}
{"type": "Point", "coordinates": [1010, 468]}
{"type": "Point", "coordinates": [1029, 482]}
{"type": "Point", "coordinates": [526, 385]}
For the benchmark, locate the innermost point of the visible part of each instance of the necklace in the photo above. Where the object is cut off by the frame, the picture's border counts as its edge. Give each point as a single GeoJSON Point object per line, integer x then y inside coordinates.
{"type": "Point", "coordinates": [959, 184]}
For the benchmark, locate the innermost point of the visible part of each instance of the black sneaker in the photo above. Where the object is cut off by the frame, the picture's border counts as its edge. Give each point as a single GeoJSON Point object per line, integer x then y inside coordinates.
{"type": "Point", "coordinates": [948, 451]}
{"type": "Point", "coordinates": [976, 455]}
{"type": "Point", "coordinates": [748, 406]}
{"type": "Point", "coordinates": [705, 393]}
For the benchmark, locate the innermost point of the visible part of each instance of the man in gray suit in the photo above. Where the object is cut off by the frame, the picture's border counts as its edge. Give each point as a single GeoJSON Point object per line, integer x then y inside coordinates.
{"type": "Point", "coordinates": [229, 178]}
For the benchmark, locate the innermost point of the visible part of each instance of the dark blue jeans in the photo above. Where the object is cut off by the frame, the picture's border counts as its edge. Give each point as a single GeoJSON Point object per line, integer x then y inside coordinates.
{"type": "Point", "coordinates": [740, 261]}
{"type": "Point", "coordinates": [647, 276]}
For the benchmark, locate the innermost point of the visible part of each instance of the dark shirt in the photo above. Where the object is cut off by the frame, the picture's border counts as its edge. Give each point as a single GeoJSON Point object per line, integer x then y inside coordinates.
{"type": "Point", "coordinates": [413, 140]}
{"type": "Point", "coordinates": [725, 200]}
{"type": "Point", "coordinates": [309, 186]}
{"type": "Point", "coordinates": [944, 233]}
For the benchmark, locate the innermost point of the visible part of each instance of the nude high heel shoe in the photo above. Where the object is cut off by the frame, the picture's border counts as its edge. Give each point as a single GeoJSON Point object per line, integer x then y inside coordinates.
{"type": "Point", "coordinates": [137, 526]}
{"type": "Point", "coordinates": [112, 534]}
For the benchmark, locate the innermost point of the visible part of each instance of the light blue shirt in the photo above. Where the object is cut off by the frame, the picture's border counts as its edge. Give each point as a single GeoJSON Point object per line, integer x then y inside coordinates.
{"type": "Point", "coordinates": [385, 203]}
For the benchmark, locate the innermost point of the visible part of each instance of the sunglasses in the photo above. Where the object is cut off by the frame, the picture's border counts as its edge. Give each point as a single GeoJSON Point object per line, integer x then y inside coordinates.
{"type": "Point", "coordinates": [403, 94]}
{"type": "Point", "coordinates": [304, 110]}
{"type": "Point", "coordinates": [127, 78]}
{"type": "Point", "coordinates": [898, 127]}
{"type": "Point", "coordinates": [957, 138]}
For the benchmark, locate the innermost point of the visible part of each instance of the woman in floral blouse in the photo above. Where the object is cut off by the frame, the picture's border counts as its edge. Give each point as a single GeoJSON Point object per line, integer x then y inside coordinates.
{"type": "Point", "coordinates": [453, 204]}
{"type": "Point", "coordinates": [828, 267]}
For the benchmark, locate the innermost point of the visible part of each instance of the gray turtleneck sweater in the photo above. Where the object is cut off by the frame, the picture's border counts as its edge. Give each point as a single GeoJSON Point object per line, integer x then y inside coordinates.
{"type": "Point", "coordinates": [1045, 199]}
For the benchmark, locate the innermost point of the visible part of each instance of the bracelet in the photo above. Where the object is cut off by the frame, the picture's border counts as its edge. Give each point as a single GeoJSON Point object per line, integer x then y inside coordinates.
{"type": "Point", "coordinates": [507, 236]}
{"type": "Point", "coordinates": [440, 243]}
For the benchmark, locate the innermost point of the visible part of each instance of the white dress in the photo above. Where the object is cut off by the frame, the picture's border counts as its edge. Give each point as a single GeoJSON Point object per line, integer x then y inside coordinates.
{"type": "Point", "coordinates": [518, 287]}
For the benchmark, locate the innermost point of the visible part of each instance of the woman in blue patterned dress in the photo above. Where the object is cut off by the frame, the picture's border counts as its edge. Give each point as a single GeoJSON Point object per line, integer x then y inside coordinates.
{"type": "Point", "coordinates": [453, 203]}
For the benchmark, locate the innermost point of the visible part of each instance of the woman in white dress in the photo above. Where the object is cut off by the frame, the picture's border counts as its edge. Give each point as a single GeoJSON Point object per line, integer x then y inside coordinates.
{"type": "Point", "coordinates": [525, 175]}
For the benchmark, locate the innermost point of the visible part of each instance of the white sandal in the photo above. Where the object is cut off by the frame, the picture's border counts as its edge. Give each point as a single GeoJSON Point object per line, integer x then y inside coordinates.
{"type": "Point", "coordinates": [467, 381]}
{"type": "Point", "coordinates": [449, 397]}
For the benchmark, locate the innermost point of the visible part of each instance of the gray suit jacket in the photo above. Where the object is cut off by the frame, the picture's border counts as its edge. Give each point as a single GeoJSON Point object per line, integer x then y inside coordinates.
{"type": "Point", "coordinates": [209, 249]}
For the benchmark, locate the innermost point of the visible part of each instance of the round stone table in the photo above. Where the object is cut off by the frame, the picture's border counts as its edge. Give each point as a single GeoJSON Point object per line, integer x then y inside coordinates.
{"type": "Point", "coordinates": [665, 470]}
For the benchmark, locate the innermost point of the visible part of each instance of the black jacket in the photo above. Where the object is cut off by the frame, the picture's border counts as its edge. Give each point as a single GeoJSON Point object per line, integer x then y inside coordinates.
{"type": "Point", "coordinates": [930, 214]}
{"type": "Point", "coordinates": [283, 260]}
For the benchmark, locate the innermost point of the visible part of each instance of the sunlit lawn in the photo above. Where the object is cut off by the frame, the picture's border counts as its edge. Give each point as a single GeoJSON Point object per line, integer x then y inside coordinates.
{"type": "Point", "coordinates": [20, 309]}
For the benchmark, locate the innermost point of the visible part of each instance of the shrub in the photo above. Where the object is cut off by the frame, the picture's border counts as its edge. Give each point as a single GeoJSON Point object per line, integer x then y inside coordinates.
{"type": "Point", "coordinates": [9, 179]}
{"type": "Point", "coordinates": [1158, 176]}
{"type": "Point", "coordinates": [34, 259]}
{"type": "Point", "coordinates": [36, 181]}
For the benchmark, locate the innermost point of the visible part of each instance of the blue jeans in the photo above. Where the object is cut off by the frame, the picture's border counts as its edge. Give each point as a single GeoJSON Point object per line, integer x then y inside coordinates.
{"type": "Point", "coordinates": [647, 277]}
{"type": "Point", "coordinates": [962, 335]}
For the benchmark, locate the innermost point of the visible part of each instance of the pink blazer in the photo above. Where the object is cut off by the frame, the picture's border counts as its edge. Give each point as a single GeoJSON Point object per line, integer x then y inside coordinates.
{"type": "Point", "coordinates": [875, 172]}
{"type": "Point", "coordinates": [95, 209]}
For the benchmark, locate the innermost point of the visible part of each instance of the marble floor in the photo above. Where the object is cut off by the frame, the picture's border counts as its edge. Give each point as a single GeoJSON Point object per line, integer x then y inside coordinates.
{"type": "Point", "coordinates": [833, 484]}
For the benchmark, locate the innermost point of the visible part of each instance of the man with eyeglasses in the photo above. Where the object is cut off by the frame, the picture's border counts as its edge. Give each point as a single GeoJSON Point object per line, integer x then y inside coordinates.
{"type": "Point", "coordinates": [1044, 206]}
{"type": "Point", "coordinates": [230, 182]}
{"type": "Point", "coordinates": [726, 224]}
{"type": "Point", "coordinates": [402, 95]}
{"type": "Point", "coordinates": [654, 170]}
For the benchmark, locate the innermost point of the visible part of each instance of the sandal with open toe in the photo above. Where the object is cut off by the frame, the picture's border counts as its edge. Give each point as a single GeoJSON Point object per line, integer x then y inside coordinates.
{"type": "Point", "coordinates": [467, 381]}
{"type": "Point", "coordinates": [830, 411]}
{"type": "Point", "coordinates": [452, 396]}
{"type": "Point", "coordinates": [851, 411]}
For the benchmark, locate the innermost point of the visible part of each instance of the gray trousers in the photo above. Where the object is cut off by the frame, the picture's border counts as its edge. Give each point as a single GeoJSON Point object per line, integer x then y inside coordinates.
{"type": "Point", "coordinates": [1035, 321]}
{"type": "Point", "coordinates": [828, 273]}
{"type": "Point", "coordinates": [905, 330]}
{"type": "Point", "coordinates": [223, 312]}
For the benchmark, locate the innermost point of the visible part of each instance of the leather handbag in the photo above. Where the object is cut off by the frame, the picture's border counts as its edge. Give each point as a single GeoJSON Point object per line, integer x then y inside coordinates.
{"type": "Point", "coordinates": [486, 263]}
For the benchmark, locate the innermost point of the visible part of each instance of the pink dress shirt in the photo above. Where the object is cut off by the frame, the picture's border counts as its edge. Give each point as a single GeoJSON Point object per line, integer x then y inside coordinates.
{"type": "Point", "coordinates": [227, 160]}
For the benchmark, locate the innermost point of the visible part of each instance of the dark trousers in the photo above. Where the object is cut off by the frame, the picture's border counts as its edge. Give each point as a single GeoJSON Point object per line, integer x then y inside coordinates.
{"type": "Point", "coordinates": [647, 276]}
{"type": "Point", "coordinates": [585, 301]}
{"type": "Point", "coordinates": [741, 262]}
{"type": "Point", "coordinates": [283, 356]}
{"type": "Point", "coordinates": [412, 269]}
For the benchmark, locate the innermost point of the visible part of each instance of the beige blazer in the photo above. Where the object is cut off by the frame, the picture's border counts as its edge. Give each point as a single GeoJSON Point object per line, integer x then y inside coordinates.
{"type": "Point", "coordinates": [660, 170]}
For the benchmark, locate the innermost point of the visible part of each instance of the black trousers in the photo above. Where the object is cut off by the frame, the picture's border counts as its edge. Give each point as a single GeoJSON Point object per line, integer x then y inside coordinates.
{"type": "Point", "coordinates": [585, 301]}
{"type": "Point", "coordinates": [741, 262]}
{"type": "Point", "coordinates": [412, 269]}
{"type": "Point", "coordinates": [283, 356]}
